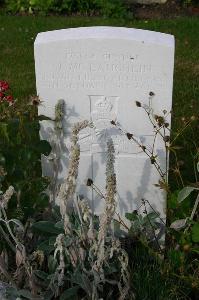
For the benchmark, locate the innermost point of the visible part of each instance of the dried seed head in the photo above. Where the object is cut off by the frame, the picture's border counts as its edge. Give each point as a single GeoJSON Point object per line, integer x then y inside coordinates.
{"type": "Point", "coordinates": [89, 182]}
{"type": "Point", "coordinates": [129, 135]}
{"type": "Point", "coordinates": [193, 118]}
{"type": "Point", "coordinates": [138, 104]}
{"type": "Point", "coordinates": [151, 94]}
{"type": "Point", "coordinates": [85, 210]}
{"type": "Point", "coordinates": [143, 148]}
{"type": "Point", "coordinates": [166, 138]}
{"type": "Point", "coordinates": [38, 256]}
{"type": "Point", "coordinates": [153, 160]}
{"type": "Point", "coordinates": [113, 122]}
{"type": "Point", "coordinates": [35, 101]}
{"type": "Point", "coordinates": [160, 120]}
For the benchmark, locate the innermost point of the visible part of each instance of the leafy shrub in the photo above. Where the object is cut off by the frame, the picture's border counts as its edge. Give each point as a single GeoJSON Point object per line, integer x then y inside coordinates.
{"type": "Point", "coordinates": [20, 154]}
{"type": "Point", "coordinates": [189, 2]}
{"type": "Point", "coordinates": [110, 8]}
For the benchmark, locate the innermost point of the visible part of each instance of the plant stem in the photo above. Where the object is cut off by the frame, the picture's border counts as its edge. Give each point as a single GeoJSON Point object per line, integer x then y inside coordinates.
{"type": "Point", "coordinates": [156, 165]}
{"type": "Point", "coordinates": [120, 221]}
{"type": "Point", "coordinates": [155, 237]}
{"type": "Point", "coordinates": [193, 212]}
{"type": "Point", "coordinates": [181, 131]}
{"type": "Point", "coordinates": [7, 239]}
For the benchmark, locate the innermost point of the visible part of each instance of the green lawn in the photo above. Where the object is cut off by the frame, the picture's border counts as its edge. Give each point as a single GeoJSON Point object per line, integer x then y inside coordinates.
{"type": "Point", "coordinates": [17, 35]}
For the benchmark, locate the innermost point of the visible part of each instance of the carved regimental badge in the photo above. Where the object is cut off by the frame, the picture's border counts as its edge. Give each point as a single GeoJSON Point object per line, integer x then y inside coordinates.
{"type": "Point", "coordinates": [104, 109]}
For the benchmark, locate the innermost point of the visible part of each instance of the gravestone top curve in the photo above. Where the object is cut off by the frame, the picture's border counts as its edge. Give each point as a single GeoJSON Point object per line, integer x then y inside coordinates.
{"type": "Point", "coordinates": [109, 32]}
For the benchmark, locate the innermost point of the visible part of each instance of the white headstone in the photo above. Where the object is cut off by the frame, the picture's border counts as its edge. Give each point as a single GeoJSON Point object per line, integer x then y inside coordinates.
{"type": "Point", "coordinates": [100, 72]}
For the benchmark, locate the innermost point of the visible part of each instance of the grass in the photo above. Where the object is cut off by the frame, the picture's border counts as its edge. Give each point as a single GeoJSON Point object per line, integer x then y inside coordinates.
{"type": "Point", "coordinates": [155, 284]}
{"type": "Point", "coordinates": [17, 61]}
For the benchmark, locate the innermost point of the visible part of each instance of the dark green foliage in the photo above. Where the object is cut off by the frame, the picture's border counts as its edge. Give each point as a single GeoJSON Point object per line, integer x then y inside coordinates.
{"type": "Point", "coordinates": [76, 283]}
{"type": "Point", "coordinates": [20, 156]}
{"type": "Point", "coordinates": [189, 2]}
{"type": "Point", "coordinates": [195, 233]}
{"type": "Point", "coordinates": [46, 227]}
{"type": "Point", "coordinates": [107, 8]}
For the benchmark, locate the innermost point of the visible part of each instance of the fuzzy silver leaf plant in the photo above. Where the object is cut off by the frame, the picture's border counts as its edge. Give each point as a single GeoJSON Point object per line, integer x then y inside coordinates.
{"type": "Point", "coordinates": [90, 249]}
{"type": "Point", "coordinates": [87, 245]}
{"type": "Point", "coordinates": [87, 255]}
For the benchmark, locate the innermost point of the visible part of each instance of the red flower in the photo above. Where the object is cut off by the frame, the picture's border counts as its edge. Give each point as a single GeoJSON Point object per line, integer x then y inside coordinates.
{"type": "Point", "coordinates": [9, 98]}
{"type": "Point", "coordinates": [2, 95]}
{"type": "Point", "coordinates": [3, 86]}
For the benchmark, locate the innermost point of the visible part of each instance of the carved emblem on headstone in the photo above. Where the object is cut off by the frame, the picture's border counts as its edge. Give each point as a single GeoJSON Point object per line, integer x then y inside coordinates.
{"type": "Point", "coordinates": [103, 109]}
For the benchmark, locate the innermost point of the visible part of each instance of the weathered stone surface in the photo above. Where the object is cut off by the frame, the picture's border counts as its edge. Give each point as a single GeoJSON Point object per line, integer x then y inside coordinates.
{"type": "Point", "coordinates": [100, 72]}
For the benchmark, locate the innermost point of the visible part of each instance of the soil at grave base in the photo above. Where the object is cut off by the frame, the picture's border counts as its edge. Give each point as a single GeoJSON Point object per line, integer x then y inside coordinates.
{"type": "Point", "coordinates": [171, 9]}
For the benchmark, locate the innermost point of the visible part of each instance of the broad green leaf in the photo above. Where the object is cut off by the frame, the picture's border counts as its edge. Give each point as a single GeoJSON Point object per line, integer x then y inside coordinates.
{"type": "Point", "coordinates": [195, 233]}
{"type": "Point", "coordinates": [41, 274]}
{"type": "Point", "coordinates": [60, 225]}
{"type": "Point", "coordinates": [42, 118]}
{"type": "Point", "coordinates": [70, 293]}
{"type": "Point", "coordinates": [52, 264]}
{"type": "Point", "coordinates": [153, 214]}
{"type": "Point", "coordinates": [185, 192]}
{"type": "Point", "coordinates": [52, 240]}
{"type": "Point", "coordinates": [11, 293]}
{"type": "Point", "coordinates": [27, 295]}
{"type": "Point", "coordinates": [195, 250]}
{"type": "Point", "coordinates": [45, 247]}
{"type": "Point", "coordinates": [81, 280]}
{"type": "Point", "coordinates": [46, 227]}
{"type": "Point", "coordinates": [131, 216]}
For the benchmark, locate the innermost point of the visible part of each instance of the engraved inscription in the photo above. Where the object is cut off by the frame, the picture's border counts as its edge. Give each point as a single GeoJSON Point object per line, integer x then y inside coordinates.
{"type": "Point", "coordinates": [87, 70]}
{"type": "Point", "coordinates": [71, 54]}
